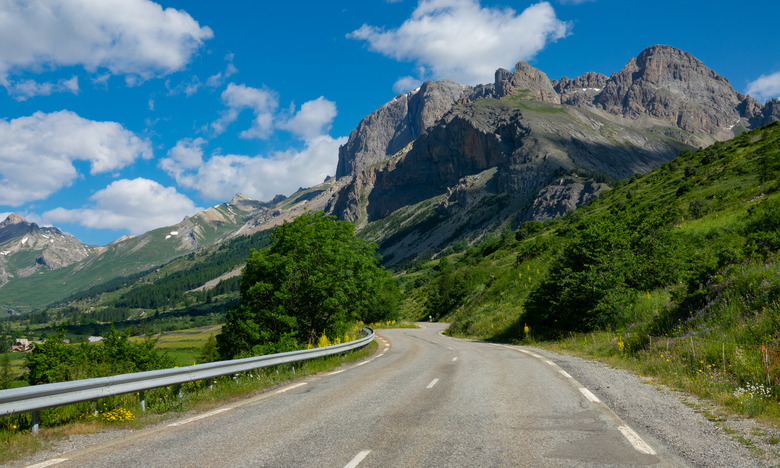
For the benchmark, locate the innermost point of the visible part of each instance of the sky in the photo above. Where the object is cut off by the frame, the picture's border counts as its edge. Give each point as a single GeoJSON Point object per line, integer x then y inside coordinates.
{"type": "Point", "coordinates": [121, 116]}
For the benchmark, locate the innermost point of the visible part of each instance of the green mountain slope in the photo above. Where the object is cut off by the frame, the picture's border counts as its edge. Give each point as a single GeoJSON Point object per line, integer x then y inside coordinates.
{"type": "Point", "coordinates": [124, 257]}
{"type": "Point", "coordinates": [663, 253]}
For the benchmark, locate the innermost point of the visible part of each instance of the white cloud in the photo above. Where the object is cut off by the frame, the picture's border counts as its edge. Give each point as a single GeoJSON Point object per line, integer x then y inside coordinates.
{"type": "Point", "coordinates": [216, 80]}
{"type": "Point", "coordinates": [137, 38]}
{"type": "Point", "coordinates": [313, 119]}
{"type": "Point", "coordinates": [406, 84]}
{"type": "Point", "coordinates": [37, 152]}
{"type": "Point", "coordinates": [460, 40]}
{"type": "Point", "coordinates": [262, 178]}
{"type": "Point", "coordinates": [25, 89]}
{"type": "Point", "coordinates": [186, 155]}
{"type": "Point", "coordinates": [262, 102]}
{"type": "Point", "coordinates": [765, 87]}
{"type": "Point", "coordinates": [137, 205]}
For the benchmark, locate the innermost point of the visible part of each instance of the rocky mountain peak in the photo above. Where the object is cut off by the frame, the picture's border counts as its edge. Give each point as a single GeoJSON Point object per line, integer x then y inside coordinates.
{"type": "Point", "coordinates": [528, 80]}
{"type": "Point", "coordinates": [244, 203]}
{"type": "Point", "coordinates": [13, 218]}
{"type": "Point", "coordinates": [397, 123]}
{"type": "Point", "coordinates": [673, 86]}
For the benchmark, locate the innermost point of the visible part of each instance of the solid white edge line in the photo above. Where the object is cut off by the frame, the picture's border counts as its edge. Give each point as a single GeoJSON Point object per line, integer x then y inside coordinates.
{"type": "Point", "coordinates": [291, 387]}
{"type": "Point", "coordinates": [358, 458]}
{"type": "Point", "coordinates": [433, 382]}
{"type": "Point", "coordinates": [634, 439]}
{"type": "Point", "coordinates": [51, 462]}
{"type": "Point", "coordinates": [593, 398]}
{"type": "Point", "coordinates": [200, 416]}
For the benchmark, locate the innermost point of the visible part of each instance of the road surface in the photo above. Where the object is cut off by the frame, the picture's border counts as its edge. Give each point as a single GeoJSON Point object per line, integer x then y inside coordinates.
{"type": "Point", "coordinates": [424, 400]}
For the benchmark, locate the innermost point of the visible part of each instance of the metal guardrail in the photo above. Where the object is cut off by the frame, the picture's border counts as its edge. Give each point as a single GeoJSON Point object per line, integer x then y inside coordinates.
{"type": "Point", "coordinates": [38, 397]}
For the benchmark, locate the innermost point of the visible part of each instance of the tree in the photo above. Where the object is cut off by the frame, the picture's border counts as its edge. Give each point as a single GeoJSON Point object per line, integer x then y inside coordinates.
{"type": "Point", "coordinates": [314, 279]}
{"type": "Point", "coordinates": [600, 271]}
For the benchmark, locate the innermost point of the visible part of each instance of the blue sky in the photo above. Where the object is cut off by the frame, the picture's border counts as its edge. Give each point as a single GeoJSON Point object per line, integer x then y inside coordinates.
{"type": "Point", "coordinates": [119, 116]}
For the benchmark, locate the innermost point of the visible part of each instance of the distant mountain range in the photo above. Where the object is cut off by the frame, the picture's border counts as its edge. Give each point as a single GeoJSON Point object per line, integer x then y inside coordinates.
{"type": "Point", "coordinates": [440, 165]}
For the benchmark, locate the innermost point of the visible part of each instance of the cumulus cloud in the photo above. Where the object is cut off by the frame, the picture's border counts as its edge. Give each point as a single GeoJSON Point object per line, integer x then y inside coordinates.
{"type": "Point", "coordinates": [216, 80]}
{"type": "Point", "coordinates": [25, 89]}
{"type": "Point", "coordinates": [186, 155]}
{"type": "Point", "coordinates": [313, 119]}
{"type": "Point", "coordinates": [263, 176]}
{"type": "Point", "coordinates": [765, 87]}
{"type": "Point", "coordinates": [37, 152]}
{"type": "Point", "coordinates": [137, 38]}
{"type": "Point", "coordinates": [462, 41]}
{"type": "Point", "coordinates": [137, 205]}
{"type": "Point", "coordinates": [263, 103]}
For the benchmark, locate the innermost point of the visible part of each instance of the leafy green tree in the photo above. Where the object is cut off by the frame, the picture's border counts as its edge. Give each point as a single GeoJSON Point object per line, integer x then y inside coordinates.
{"type": "Point", "coordinates": [208, 352]}
{"type": "Point", "coordinates": [56, 361]}
{"type": "Point", "coordinates": [314, 279]}
{"type": "Point", "coordinates": [600, 271]}
{"type": "Point", "coordinates": [5, 371]}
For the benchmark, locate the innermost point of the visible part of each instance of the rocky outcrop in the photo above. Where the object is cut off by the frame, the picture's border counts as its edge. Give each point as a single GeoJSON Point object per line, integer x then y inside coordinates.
{"type": "Point", "coordinates": [388, 129]}
{"type": "Point", "coordinates": [527, 82]}
{"type": "Point", "coordinates": [563, 196]}
{"type": "Point", "coordinates": [582, 90]}
{"type": "Point", "coordinates": [673, 86]}
{"type": "Point", "coordinates": [770, 113]}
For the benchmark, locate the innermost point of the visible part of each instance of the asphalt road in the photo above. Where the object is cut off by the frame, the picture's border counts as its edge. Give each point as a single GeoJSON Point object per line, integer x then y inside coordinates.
{"type": "Point", "coordinates": [424, 400]}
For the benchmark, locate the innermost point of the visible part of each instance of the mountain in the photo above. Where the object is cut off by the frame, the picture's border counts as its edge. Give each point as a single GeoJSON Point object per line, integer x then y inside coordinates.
{"type": "Point", "coordinates": [527, 147]}
{"type": "Point", "coordinates": [65, 265]}
{"type": "Point", "coordinates": [26, 249]}
{"type": "Point", "coordinates": [450, 163]}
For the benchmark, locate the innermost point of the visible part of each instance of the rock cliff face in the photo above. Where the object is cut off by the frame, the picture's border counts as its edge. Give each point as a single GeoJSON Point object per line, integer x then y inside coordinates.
{"type": "Point", "coordinates": [390, 128]}
{"type": "Point", "coordinates": [530, 143]}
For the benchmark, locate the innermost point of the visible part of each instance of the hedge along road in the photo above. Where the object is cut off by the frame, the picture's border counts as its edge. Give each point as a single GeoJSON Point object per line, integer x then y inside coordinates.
{"type": "Point", "coordinates": [423, 400]}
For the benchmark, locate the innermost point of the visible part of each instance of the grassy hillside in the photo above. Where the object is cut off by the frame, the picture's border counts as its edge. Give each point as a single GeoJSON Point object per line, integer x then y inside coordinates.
{"type": "Point", "coordinates": [678, 269]}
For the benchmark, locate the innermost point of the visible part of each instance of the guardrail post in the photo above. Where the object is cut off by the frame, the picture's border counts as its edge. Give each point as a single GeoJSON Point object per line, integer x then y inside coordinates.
{"type": "Point", "coordinates": [142, 400]}
{"type": "Point", "coordinates": [34, 424]}
{"type": "Point", "coordinates": [210, 383]}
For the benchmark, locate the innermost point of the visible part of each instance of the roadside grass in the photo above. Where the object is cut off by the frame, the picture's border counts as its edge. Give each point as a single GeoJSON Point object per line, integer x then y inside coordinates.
{"type": "Point", "coordinates": [123, 411]}
{"type": "Point", "coordinates": [733, 377]}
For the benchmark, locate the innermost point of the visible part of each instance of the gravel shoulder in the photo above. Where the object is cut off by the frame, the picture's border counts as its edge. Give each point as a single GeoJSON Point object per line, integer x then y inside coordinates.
{"type": "Point", "coordinates": [695, 430]}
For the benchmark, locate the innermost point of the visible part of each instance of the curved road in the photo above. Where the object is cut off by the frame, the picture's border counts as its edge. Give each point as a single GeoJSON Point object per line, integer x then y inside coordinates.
{"type": "Point", "coordinates": [423, 400]}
